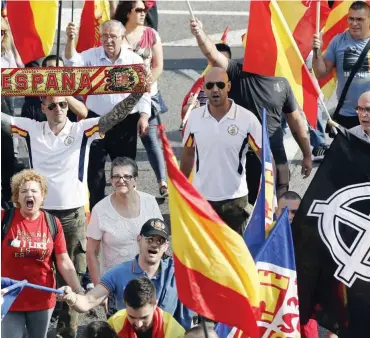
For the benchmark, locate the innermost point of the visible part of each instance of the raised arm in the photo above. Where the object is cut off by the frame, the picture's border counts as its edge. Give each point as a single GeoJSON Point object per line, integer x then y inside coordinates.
{"type": "Point", "coordinates": [78, 108]}
{"type": "Point", "coordinates": [70, 49]}
{"type": "Point", "coordinates": [321, 66]}
{"type": "Point", "coordinates": [207, 47]}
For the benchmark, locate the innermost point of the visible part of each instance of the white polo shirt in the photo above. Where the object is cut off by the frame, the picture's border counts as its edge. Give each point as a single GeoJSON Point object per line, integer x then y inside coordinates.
{"type": "Point", "coordinates": [220, 150]}
{"type": "Point", "coordinates": [62, 159]}
{"type": "Point", "coordinates": [103, 104]}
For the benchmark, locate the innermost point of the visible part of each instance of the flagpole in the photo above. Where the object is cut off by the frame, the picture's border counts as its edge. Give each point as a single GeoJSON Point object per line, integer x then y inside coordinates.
{"type": "Point", "coordinates": [73, 8]}
{"type": "Point", "coordinates": [59, 30]}
{"type": "Point", "coordinates": [190, 9]}
{"type": "Point", "coordinates": [318, 7]}
{"type": "Point", "coordinates": [203, 320]}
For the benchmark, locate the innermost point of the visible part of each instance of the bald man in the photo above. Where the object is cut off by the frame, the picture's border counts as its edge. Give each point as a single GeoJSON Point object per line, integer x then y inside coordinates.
{"type": "Point", "coordinates": [198, 332]}
{"type": "Point", "coordinates": [217, 137]}
{"type": "Point", "coordinates": [363, 111]}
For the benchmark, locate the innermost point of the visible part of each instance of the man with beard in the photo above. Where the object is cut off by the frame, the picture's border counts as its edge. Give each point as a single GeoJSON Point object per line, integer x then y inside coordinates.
{"type": "Point", "coordinates": [153, 243]}
{"type": "Point", "coordinates": [219, 134]}
{"type": "Point", "coordinates": [142, 317]}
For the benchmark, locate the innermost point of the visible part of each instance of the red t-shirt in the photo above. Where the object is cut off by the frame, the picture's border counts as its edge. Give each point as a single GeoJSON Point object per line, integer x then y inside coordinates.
{"type": "Point", "coordinates": [27, 254]}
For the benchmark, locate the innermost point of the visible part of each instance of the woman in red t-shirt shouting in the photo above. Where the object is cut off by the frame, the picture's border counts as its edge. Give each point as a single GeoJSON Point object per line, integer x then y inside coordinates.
{"type": "Point", "coordinates": [29, 247]}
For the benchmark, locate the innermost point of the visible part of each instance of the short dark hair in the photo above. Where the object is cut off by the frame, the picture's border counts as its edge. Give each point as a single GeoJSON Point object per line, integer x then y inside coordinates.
{"type": "Point", "coordinates": [139, 292]}
{"type": "Point", "coordinates": [123, 10]}
{"type": "Point", "coordinates": [291, 196]}
{"type": "Point", "coordinates": [223, 47]}
{"type": "Point", "coordinates": [123, 161]}
{"type": "Point", "coordinates": [99, 329]}
{"type": "Point", "coordinates": [358, 5]}
{"type": "Point", "coordinates": [51, 57]}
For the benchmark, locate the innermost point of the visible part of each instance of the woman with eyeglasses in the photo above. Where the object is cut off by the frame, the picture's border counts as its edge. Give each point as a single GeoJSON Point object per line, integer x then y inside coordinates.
{"type": "Point", "coordinates": [117, 219]}
{"type": "Point", "coordinates": [146, 42]}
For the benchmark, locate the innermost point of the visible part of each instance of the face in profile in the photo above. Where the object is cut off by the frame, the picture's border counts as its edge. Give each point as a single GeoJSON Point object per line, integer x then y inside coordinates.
{"type": "Point", "coordinates": [292, 205]}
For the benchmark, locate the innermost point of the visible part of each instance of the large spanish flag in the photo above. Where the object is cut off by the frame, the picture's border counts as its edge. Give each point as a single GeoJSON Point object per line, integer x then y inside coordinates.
{"type": "Point", "coordinates": [198, 84]}
{"type": "Point", "coordinates": [33, 24]}
{"type": "Point", "coordinates": [94, 13]}
{"type": "Point", "coordinates": [272, 51]}
{"type": "Point", "coordinates": [215, 273]}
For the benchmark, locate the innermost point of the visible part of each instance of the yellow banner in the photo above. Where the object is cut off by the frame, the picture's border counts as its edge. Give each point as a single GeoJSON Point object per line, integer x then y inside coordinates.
{"type": "Point", "coordinates": [73, 81]}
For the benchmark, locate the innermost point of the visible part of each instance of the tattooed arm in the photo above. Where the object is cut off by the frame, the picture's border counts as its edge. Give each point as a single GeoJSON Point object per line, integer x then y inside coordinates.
{"type": "Point", "coordinates": [119, 112]}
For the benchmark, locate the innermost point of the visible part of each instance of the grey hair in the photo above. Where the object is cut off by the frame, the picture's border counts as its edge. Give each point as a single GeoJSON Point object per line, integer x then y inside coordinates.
{"type": "Point", "coordinates": [113, 23]}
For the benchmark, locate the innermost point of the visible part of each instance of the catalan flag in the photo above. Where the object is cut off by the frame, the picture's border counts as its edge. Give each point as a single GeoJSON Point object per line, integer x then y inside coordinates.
{"type": "Point", "coordinates": [198, 84]}
{"type": "Point", "coordinates": [94, 13]}
{"type": "Point", "coordinates": [272, 51]}
{"type": "Point", "coordinates": [262, 218]}
{"type": "Point", "coordinates": [215, 273]}
{"type": "Point", "coordinates": [33, 24]}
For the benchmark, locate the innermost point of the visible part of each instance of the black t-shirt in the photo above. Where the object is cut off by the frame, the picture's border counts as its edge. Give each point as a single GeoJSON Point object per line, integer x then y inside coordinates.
{"type": "Point", "coordinates": [147, 334]}
{"type": "Point", "coordinates": [255, 92]}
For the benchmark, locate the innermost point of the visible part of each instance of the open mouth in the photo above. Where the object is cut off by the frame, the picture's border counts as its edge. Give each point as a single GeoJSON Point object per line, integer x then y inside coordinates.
{"type": "Point", "coordinates": [29, 203]}
{"type": "Point", "coordinates": [152, 251]}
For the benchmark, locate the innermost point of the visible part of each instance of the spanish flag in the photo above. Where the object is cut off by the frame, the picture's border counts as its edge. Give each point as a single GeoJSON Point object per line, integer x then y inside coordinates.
{"type": "Point", "coordinates": [198, 84]}
{"type": "Point", "coordinates": [33, 24]}
{"type": "Point", "coordinates": [94, 13]}
{"type": "Point", "coordinates": [301, 19]}
{"type": "Point", "coordinates": [215, 273]}
{"type": "Point", "coordinates": [272, 51]}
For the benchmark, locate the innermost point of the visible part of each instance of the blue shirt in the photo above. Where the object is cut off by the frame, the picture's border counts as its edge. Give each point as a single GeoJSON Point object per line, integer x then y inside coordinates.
{"type": "Point", "coordinates": [344, 51]}
{"type": "Point", "coordinates": [116, 279]}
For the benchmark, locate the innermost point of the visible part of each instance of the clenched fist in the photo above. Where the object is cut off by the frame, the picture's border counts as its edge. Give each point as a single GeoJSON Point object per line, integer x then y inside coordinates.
{"type": "Point", "coordinates": [195, 27]}
{"type": "Point", "coordinates": [316, 42]}
{"type": "Point", "coordinates": [71, 31]}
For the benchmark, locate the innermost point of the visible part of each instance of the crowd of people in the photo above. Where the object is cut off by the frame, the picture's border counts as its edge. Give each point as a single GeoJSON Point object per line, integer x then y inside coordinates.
{"type": "Point", "coordinates": [120, 257]}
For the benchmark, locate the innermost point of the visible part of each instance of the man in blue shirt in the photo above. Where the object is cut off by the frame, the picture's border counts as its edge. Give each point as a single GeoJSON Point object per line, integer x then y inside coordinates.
{"type": "Point", "coordinates": [342, 54]}
{"type": "Point", "coordinates": [153, 243]}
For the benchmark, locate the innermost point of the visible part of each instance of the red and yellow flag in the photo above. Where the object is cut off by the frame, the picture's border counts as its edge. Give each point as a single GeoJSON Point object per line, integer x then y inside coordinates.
{"type": "Point", "coordinates": [94, 13]}
{"type": "Point", "coordinates": [33, 24]}
{"type": "Point", "coordinates": [301, 19]}
{"type": "Point", "coordinates": [198, 84]}
{"type": "Point", "coordinates": [215, 273]}
{"type": "Point", "coordinates": [272, 51]}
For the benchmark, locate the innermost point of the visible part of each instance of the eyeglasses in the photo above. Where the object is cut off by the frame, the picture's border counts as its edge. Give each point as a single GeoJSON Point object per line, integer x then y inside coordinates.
{"type": "Point", "coordinates": [141, 10]}
{"type": "Point", "coordinates": [158, 240]}
{"type": "Point", "coordinates": [220, 84]}
{"type": "Point", "coordinates": [127, 178]}
{"type": "Point", "coordinates": [62, 105]}
{"type": "Point", "coordinates": [107, 37]}
{"type": "Point", "coordinates": [363, 110]}
{"type": "Point", "coordinates": [354, 20]}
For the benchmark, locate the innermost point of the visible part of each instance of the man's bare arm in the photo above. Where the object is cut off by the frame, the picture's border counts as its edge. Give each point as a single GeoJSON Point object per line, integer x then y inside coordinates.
{"type": "Point", "coordinates": [187, 161]}
{"type": "Point", "coordinates": [207, 47]}
{"type": "Point", "coordinates": [119, 112]}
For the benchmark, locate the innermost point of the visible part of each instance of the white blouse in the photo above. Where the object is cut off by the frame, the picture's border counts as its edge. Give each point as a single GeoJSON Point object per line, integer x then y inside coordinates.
{"type": "Point", "coordinates": [118, 235]}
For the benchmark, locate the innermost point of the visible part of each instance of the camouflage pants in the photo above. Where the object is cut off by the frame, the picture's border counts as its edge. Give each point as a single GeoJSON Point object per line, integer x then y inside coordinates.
{"type": "Point", "coordinates": [74, 227]}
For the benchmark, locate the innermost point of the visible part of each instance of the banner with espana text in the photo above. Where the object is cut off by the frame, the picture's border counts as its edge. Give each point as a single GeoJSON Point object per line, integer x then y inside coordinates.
{"type": "Point", "coordinates": [73, 81]}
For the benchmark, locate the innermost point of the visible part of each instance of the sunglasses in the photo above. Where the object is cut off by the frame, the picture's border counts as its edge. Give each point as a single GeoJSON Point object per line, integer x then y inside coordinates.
{"type": "Point", "coordinates": [62, 105]}
{"type": "Point", "coordinates": [220, 84]}
{"type": "Point", "coordinates": [141, 10]}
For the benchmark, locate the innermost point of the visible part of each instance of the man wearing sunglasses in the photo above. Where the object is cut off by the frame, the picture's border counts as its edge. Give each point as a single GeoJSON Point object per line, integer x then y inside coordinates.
{"type": "Point", "coordinates": [59, 150]}
{"type": "Point", "coordinates": [363, 111]}
{"type": "Point", "coordinates": [255, 92]}
{"type": "Point", "coordinates": [153, 242]}
{"type": "Point", "coordinates": [216, 139]}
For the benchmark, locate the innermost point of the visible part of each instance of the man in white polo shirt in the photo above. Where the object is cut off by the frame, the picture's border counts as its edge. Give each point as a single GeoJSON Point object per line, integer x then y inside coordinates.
{"type": "Point", "coordinates": [121, 141]}
{"type": "Point", "coordinates": [59, 149]}
{"type": "Point", "coordinates": [217, 136]}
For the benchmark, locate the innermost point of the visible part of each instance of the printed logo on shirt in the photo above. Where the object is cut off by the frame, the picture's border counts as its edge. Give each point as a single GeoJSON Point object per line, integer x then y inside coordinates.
{"type": "Point", "coordinates": [30, 244]}
{"type": "Point", "coordinates": [69, 140]}
{"type": "Point", "coordinates": [233, 130]}
{"type": "Point", "coordinates": [279, 86]}
{"type": "Point", "coordinates": [350, 58]}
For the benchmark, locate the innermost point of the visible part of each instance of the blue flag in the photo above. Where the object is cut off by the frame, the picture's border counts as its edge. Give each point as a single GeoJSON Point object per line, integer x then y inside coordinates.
{"type": "Point", "coordinates": [262, 216]}
{"type": "Point", "coordinates": [14, 288]}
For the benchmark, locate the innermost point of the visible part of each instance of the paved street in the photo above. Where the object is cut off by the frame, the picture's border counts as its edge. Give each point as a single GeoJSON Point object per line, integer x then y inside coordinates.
{"type": "Point", "coordinates": [183, 64]}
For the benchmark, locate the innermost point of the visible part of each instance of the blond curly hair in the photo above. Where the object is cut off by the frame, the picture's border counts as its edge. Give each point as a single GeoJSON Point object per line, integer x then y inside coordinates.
{"type": "Point", "coordinates": [25, 176]}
